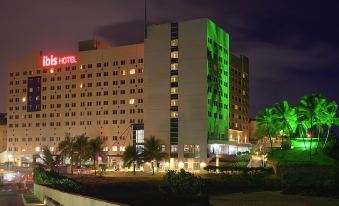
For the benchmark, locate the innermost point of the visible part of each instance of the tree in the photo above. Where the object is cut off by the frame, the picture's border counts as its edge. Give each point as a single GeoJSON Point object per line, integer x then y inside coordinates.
{"type": "Point", "coordinates": [131, 156]}
{"type": "Point", "coordinates": [95, 149]}
{"type": "Point", "coordinates": [66, 149]}
{"type": "Point", "coordinates": [152, 151]}
{"type": "Point", "coordinates": [49, 160]}
{"type": "Point", "coordinates": [285, 118]}
{"type": "Point", "coordinates": [331, 118]}
{"type": "Point", "coordinates": [266, 127]}
{"type": "Point", "coordinates": [80, 148]}
{"type": "Point", "coordinates": [310, 109]}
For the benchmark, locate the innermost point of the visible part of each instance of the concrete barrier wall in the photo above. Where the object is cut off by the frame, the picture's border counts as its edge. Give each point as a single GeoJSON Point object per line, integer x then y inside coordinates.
{"type": "Point", "coordinates": [52, 197]}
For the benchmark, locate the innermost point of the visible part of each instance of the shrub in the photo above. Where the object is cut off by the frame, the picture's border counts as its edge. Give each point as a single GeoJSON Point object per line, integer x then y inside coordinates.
{"type": "Point", "coordinates": [237, 169]}
{"type": "Point", "coordinates": [54, 180]}
{"type": "Point", "coordinates": [184, 187]}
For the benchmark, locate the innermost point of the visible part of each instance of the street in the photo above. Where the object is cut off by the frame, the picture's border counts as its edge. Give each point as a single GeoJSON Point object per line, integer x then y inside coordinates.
{"type": "Point", "coordinates": [10, 196]}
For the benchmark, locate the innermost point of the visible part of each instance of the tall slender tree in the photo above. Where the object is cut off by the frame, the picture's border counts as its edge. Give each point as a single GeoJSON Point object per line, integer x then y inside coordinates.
{"type": "Point", "coordinates": [49, 159]}
{"type": "Point", "coordinates": [66, 149]}
{"type": "Point", "coordinates": [152, 151]}
{"type": "Point", "coordinates": [132, 157]}
{"type": "Point", "coordinates": [332, 118]}
{"type": "Point", "coordinates": [266, 127]}
{"type": "Point", "coordinates": [95, 149]}
{"type": "Point", "coordinates": [285, 118]}
{"type": "Point", "coordinates": [310, 108]}
{"type": "Point", "coordinates": [80, 148]}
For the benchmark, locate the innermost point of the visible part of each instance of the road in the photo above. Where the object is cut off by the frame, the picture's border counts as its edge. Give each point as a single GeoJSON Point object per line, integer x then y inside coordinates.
{"type": "Point", "coordinates": [9, 196]}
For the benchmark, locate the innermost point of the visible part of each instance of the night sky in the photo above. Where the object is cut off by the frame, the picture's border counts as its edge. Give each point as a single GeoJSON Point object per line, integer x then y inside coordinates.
{"type": "Point", "coordinates": [293, 46]}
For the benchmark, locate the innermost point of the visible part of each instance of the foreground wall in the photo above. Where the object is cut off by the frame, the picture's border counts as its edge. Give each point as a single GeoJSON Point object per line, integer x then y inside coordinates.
{"type": "Point", "coordinates": [54, 197]}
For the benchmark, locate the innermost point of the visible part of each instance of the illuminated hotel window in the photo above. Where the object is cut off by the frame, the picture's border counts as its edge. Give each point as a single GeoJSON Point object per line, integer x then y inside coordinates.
{"type": "Point", "coordinates": [122, 148]}
{"type": "Point", "coordinates": [24, 99]}
{"type": "Point", "coordinates": [174, 102]}
{"type": "Point", "coordinates": [51, 148]}
{"type": "Point", "coordinates": [105, 149]}
{"type": "Point", "coordinates": [174, 42]}
{"type": "Point", "coordinates": [174, 90]}
{"type": "Point", "coordinates": [81, 85]}
{"type": "Point", "coordinates": [174, 114]}
{"type": "Point", "coordinates": [123, 72]}
{"type": "Point", "coordinates": [174, 54]}
{"type": "Point", "coordinates": [174, 78]}
{"type": "Point", "coordinates": [51, 70]}
{"type": "Point", "coordinates": [174, 148]}
{"type": "Point", "coordinates": [114, 148]}
{"type": "Point", "coordinates": [37, 149]}
{"type": "Point", "coordinates": [131, 101]}
{"type": "Point", "coordinates": [132, 71]}
{"type": "Point", "coordinates": [174, 66]}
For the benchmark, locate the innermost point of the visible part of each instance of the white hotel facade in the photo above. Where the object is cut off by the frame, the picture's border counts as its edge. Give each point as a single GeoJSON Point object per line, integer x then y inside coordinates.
{"type": "Point", "coordinates": [176, 86]}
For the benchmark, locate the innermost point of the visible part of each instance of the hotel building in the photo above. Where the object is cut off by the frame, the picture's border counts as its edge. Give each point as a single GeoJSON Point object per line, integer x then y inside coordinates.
{"type": "Point", "coordinates": [181, 85]}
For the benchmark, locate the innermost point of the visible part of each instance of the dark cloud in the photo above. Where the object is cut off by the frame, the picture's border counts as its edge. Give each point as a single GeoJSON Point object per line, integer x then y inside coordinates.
{"type": "Point", "coordinates": [292, 45]}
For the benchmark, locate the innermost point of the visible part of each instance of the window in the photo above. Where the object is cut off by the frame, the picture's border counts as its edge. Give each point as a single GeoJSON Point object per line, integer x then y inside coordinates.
{"type": "Point", "coordinates": [174, 54]}
{"type": "Point", "coordinates": [37, 149]}
{"type": "Point", "coordinates": [174, 66]}
{"type": "Point", "coordinates": [122, 148]}
{"type": "Point", "coordinates": [174, 114]}
{"type": "Point", "coordinates": [114, 148]}
{"type": "Point", "coordinates": [174, 42]}
{"type": "Point", "coordinates": [174, 148]}
{"type": "Point", "coordinates": [131, 101]}
{"type": "Point", "coordinates": [139, 136]}
{"type": "Point", "coordinates": [174, 102]}
{"type": "Point", "coordinates": [174, 78]}
{"type": "Point", "coordinates": [174, 90]}
{"type": "Point", "coordinates": [132, 71]}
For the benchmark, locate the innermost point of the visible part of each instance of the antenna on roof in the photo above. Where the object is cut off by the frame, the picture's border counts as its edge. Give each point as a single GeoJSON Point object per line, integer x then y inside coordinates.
{"type": "Point", "coordinates": [145, 20]}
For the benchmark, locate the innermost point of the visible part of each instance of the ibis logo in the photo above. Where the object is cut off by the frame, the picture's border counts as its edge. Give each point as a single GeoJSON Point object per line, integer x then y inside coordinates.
{"type": "Point", "coordinates": [52, 60]}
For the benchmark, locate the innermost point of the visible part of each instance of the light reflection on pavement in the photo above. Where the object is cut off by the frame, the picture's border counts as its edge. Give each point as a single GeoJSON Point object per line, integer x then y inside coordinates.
{"type": "Point", "coordinates": [14, 181]}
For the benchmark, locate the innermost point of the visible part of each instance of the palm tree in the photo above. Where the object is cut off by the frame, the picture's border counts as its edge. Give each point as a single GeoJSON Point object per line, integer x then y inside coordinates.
{"type": "Point", "coordinates": [331, 118]}
{"type": "Point", "coordinates": [152, 151]}
{"type": "Point", "coordinates": [310, 109]}
{"type": "Point", "coordinates": [80, 148]}
{"type": "Point", "coordinates": [301, 130]}
{"type": "Point", "coordinates": [266, 127]}
{"type": "Point", "coordinates": [49, 160]}
{"type": "Point", "coordinates": [285, 118]}
{"type": "Point", "coordinates": [95, 149]}
{"type": "Point", "coordinates": [66, 149]}
{"type": "Point", "coordinates": [131, 156]}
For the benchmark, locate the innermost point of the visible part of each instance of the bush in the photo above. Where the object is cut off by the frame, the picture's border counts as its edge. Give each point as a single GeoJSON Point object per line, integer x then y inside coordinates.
{"type": "Point", "coordinates": [184, 187]}
{"type": "Point", "coordinates": [237, 169]}
{"type": "Point", "coordinates": [287, 144]}
{"type": "Point", "coordinates": [54, 180]}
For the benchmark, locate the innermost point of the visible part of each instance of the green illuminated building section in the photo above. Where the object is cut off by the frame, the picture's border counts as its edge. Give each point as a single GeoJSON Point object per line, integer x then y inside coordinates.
{"type": "Point", "coordinates": [218, 83]}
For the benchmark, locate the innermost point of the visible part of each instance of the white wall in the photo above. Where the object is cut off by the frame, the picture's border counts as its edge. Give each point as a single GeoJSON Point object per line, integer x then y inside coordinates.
{"type": "Point", "coordinates": [67, 199]}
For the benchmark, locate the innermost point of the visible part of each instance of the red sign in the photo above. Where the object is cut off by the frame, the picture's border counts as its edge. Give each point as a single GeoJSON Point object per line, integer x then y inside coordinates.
{"type": "Point", "coordinates": [53, 60]}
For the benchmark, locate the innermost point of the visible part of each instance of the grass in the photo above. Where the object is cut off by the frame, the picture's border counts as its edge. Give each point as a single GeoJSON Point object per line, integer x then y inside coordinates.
{"type": "Point", "coordinates": [300, 157]}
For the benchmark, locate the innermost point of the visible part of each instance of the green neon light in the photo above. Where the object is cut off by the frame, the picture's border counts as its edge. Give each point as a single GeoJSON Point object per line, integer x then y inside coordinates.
{"type": "Point", "coordinates": [218, 93]}
{"type": "Point", "coordinates": [300, 144]}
